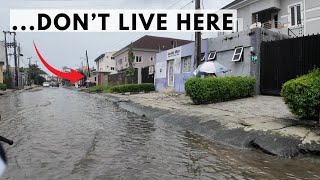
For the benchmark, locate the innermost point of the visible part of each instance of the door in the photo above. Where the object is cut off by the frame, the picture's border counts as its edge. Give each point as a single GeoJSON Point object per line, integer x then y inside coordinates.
{"type": "Point", "coordinates": [274, 18]}
{"type": "Point", "coordinates": [170, 73]}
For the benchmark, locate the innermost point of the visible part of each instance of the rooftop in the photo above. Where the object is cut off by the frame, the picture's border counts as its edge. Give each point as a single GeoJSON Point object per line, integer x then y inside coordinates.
{"type": "Point", "coordinates": [232, 3]}
{"type": "Point", "coordinates": [154, 43]}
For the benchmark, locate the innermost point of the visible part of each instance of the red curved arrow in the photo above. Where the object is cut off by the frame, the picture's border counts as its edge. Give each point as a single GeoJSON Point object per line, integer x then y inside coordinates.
{"type": "Point", "coordinates": [73, 76]}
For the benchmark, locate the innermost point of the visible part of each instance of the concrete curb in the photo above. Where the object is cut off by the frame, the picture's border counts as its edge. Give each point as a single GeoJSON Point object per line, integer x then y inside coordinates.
{"type": "Point", "coordinates": [265, 141]}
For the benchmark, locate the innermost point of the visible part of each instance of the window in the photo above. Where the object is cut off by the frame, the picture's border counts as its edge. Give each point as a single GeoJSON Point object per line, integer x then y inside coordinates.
{"type": "Point", "coordinates": [151, 58]}
{"type": "Point", "coordinates": [237, 56]}
{"type": "Point", "coordinates": [112, 57]}
{"type": "Point", "coordinates": [212, 55]}
{"type": "Point", "coordinates": [295, 12]}
{"type": "Point", "coordinates": [151, 70]}
{"type": "Point", "coordinates": [186, 64]}
{"type": "Point", "coordinates": [138, 59]}
{"type": "Point", "coordinates": [120, 61]}
{"type": "Point", "coordinates": [125, 59]}
{"type": "Point", "coordinates": [203, 57]}
{"type": "Point", "coordinates": [112, 68]}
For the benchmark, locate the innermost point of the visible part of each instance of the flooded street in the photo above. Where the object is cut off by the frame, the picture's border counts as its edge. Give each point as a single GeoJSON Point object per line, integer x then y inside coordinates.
{"type": "Point", "coordinates": [64, 134]}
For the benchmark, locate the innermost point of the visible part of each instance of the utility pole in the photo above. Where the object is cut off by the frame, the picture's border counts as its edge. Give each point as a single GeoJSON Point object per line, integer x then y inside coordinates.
{"type": "Point", "coordinates": [8, 77]}
{"type": "Point", "coordinates": [88, 63]}
{"type": "Point", "coordinates": [15, 60]}
{"type": "Point", "coordinates": [29, 71]}
{"type": "Point", "coordinates": [197, 59]}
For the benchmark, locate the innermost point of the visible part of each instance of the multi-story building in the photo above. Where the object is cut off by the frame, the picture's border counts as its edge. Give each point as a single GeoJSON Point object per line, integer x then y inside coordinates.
{"type": "Point", "coordinates": [145, 50]}
{"type": "Point", "coordinates": [106, 63]}
{"type": "Point", "coordinates": [290, 17]}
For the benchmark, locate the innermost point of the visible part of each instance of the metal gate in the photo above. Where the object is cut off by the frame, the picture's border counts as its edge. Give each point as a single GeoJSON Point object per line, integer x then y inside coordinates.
{"type": "Point", "coordinates": [146, 76]}
{"type": "Point", "coordinates": [286, 59]}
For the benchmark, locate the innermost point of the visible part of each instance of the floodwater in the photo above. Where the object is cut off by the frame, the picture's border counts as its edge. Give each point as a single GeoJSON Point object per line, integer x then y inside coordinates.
{"type": "Point", "coordinates": [64, 134]}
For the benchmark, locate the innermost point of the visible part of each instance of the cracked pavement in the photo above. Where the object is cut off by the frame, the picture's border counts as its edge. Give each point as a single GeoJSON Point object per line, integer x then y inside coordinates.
{"type": "Point", "coordinates": [260, 113]}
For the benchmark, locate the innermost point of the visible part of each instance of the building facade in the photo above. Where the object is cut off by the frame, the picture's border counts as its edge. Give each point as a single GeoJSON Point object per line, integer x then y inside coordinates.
{"type": "Point", "coordinates": [174, 66]}
{"type": "Point", "coordinates": [1, 71]}
{"type": "Point", "coordinates": [145, 50]}
{"type": "Point", "coordinates": [2, 61]}
{"type": "Point", "coordinates": [291, 17]}
{"type": "Point", "coordinates": [106, 63]}
{"type": "Point", "coordinates": [239, 52]}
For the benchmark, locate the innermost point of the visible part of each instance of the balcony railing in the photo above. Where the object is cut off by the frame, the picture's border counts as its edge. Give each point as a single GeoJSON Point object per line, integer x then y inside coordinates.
{"type": "Point", "coordinates": [272, 25]}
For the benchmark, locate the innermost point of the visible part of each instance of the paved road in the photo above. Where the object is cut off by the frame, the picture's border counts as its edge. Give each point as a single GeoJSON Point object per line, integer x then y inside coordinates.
{"type": "Point", "coordinates": [64, 134]}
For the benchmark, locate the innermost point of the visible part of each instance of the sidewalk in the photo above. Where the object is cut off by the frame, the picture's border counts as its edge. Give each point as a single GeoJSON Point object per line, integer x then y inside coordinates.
{"type": "Point", "coordinates": [264, 115]}
{"type": "Point", "coordinates": [26, 88]}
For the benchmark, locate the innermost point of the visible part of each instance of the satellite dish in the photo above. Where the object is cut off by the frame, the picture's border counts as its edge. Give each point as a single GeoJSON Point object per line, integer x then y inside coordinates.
{"type": "Point", "coordinates": [256, 25]}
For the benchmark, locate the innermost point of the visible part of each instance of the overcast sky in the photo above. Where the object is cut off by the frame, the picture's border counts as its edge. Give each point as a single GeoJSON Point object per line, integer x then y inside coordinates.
{"type": "Point", "coordinates": [66, 49]}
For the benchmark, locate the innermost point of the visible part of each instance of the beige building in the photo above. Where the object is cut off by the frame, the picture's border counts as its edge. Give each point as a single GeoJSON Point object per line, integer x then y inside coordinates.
{"type": "Point", "coordinates": [2, 60]}
{"type": "Point", "coordinates": [106, 63]}
{"type": "Point", "coordinates": [1, 72]}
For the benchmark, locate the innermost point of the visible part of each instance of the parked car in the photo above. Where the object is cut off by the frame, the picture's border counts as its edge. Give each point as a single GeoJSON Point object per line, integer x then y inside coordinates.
{"type": "Point", "coordinates": [46, 84]}
{"type": "Point", "coordinates": [54, 84]}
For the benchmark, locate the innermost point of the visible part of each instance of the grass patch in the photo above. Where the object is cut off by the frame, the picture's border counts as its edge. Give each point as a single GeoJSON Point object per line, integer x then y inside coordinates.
{"type": "Point", "coordinates": [99, 89]}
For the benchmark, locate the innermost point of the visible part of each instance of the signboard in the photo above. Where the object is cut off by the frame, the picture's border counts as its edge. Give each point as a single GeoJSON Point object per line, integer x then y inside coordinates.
{"type": "Point", "coordinates": [174, 53]}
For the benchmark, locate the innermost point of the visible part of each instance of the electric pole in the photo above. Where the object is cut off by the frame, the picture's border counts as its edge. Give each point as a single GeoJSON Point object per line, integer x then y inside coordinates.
{"type": "Point", "coordinates": [197, 59]}
{"type": "Point", "coordinates": [8, 77]}
{"type": "Point", "coordinates": [29, 71]}
{"type": "Point", "coordinates": [15, 60]}
{"type": "Point", "coordinates": [88, 63]}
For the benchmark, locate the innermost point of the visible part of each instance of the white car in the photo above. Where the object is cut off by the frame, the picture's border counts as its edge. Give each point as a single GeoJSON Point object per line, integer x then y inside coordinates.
{"type": "Point", "coordinates": [46, 84]}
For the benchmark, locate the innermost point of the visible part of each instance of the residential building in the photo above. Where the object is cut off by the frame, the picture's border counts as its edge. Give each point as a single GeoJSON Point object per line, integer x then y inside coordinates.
{"type": "Point", "coordinates": [145, 50]}
{"type": "Point", "coordinates": [174, 66]}
{"type": "Point", "coordinates": [105, 66]}
{"type": "Point", "coordinates": [106, 63]}
{"type": "Point", "coordinates": [291, 17]}
{"type": "Point", "coordinates": [2, 60]}
{"type": "Point", "coordinates": [239, 52]}
{"type": "Point", "coordinates": [44, 75]}
{"type": "Point", "coordinates": [1, 71]}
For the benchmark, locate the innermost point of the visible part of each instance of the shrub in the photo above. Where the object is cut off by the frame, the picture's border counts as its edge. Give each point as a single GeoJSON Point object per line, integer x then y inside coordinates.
{"type": "Point", "coordinates": [147, 87]}
{"type": "Point", "coordinates": [211, 90]}
{"type": "Point", "coordinates": [99, 89]}
{"type": "Point", "coordinates": [3, 87]}
{"type": "Point", "coordinates": [302, 95]}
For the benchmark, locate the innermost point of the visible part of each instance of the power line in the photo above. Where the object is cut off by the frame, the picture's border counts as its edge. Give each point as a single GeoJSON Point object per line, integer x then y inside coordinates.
{"type": "Point", "coordinates": [187, 4]}
{"type": "Point", "coordinates": [174, 4]}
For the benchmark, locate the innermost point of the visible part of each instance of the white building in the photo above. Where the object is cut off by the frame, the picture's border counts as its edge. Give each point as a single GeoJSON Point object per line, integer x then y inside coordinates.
{"type": "Point", "coordinates": [106, 63]}
{"type": "Point", "coordinates": [291, 17]}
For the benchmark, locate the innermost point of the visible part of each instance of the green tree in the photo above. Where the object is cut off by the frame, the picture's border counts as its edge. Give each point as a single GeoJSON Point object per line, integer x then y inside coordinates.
{"type": "Point", "coordinates": [39, 80]}
{"type": "Point", "coordinates": [33, 72]}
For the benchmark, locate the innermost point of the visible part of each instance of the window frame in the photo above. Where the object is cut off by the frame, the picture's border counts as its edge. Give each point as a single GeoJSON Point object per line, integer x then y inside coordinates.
{"type": "Point", "coordinates": [235, 54]}
{"type": "Point", "coordinates": [183, 59]}
{"type": "Point", "coordinates": [295, 15]}
{"type": "Point", "coordinates": [141, 59]}
{"type": "Point", "coordinates": [214, 57]}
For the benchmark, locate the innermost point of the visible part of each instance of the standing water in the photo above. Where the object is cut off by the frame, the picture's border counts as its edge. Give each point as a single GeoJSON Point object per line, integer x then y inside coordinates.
{"type": "Point", "coordinates": [64, 134]}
